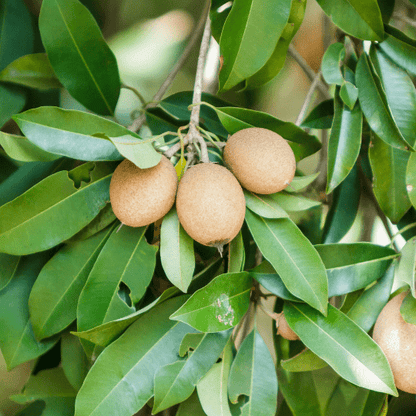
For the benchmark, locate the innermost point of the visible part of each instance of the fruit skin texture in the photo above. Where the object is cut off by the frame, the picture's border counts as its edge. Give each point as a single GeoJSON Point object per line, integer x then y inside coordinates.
{"type": "Point", "coordinates": [397, 339]}
{"type": "Point", "coordinates": [261, 160]}
{"type": "Point", "coordinates": [210, 204]}
{"type": "Point", "coordinates": [140, 197]}
{"type": "Point", "coordinates": [284, 330]}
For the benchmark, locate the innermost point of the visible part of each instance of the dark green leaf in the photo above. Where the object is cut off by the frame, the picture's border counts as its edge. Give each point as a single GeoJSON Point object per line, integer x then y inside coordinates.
{"type": "Point", "coordinates": [331, 64]}
{"type": "Point", "coordinates": [408, 309]}
{"type": "Point", "coordinates": [405, 272]}
{"type": "Point", "coordinates": [32, 71]}
{"type": "Point", "coordinates": [293, 257]}
{"type": "Point", "coordinates": [123, 387]}
{"type": "Point", "coordinates": [51, 212]}
{"type": "Point", "coordinates": [349, 94]}
{"type": "Point", "coordinates": [79, 55]}
{"type": "Point", "coordinates": [321, 116]}
{"type": "Point", "coordinates": [386, 8]}
{"type": "Point", "coordinates": [218, 14]}
{"type": "Point", "coordinates": [176, 251]}
{"type": "Point", "coordinates": [264, 205]}
{"type": "Point", "coordinates": [191, 406]}
{"type": "Point", "coordinates": [249, 37]}
{"type": "Point", "coordinates": [17, 340]}
{"type": "Point", "coordinates": [8, 268]}
{"type": "Point", "coordinates": [343, 345]}
{"type": "Point", "coordinates": [388, 165]}
{"type": "Point", "coordinates": [253, 374]}
{"type": "Point", "coordinates": [219, 305]}
{"type": "Point", "coordinates": [12, 101]}
{"type": "Point", "coordinates": [235, 119]}
{"type": "Point", "coordinates": [359, 18]}
{"type": "Point", "coordinates": [236, 254]}
{"type": "Point", "coordinates": [54, 297]}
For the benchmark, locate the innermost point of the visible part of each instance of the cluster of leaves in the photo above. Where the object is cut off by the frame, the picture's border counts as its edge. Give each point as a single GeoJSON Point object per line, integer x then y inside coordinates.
{"type": "Point", "coordinates": [111, 301]}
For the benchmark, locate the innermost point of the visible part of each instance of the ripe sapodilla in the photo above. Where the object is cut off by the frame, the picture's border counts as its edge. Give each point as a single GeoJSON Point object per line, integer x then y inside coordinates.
{"type": "Point", "coordinates": [261, 160]}
{"type": "Point", "coordinates": [397, 339]}
{"type": "Point", "coordinates": [210, 204]}
{"type": "Point", "coordinates": [142, 196]}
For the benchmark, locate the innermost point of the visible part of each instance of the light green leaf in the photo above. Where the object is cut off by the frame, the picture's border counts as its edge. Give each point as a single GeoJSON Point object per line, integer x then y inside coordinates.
{"type": "Point", "coordinates": [405, 271]}
{"type": "Point", "coordinates": [304, 361]}
{"type": "Point", "coordinates": [264, 205]}
{"type": "Point", "coordinates": [299, 183]}
{"type": "Point", "coordinates": [236, 254]}
{"type": "Point", "coordinates": [408, 309]}
{"type": "Point", "coordinates": [349, 94]}
{"type": "Point", "coordinates": [331, 64]}
{"type": "Point", "coordinates": [293, 203]}
{"type": "Point", "coordinates": [176, 251]}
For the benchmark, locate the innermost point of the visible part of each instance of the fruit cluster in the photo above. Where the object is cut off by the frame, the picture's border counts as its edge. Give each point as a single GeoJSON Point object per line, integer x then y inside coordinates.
{"type": "Point", "coordinates": [209, 199]}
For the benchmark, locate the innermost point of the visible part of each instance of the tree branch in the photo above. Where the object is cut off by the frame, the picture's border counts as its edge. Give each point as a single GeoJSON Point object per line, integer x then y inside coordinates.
{"type": "Point", "coordinates": [308, 98]}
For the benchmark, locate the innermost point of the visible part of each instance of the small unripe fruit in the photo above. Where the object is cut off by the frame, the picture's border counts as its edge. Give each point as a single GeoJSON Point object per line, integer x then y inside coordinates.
{"type": "Point", "coordinates": [140, 197]}
{"type": "Point", "coordinates": [397, 339]}
{"type": "Point", "coordinates": [210, 204]}
{"type": "Point", "coordinates": [261, 160]}
{"type": "Point", "coordinates": [284, 330]}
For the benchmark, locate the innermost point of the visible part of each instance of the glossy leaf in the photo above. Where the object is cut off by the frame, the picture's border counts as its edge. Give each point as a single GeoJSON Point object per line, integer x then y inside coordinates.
{"type": "Point", "coordinates": [20, 148]}
{"type": "Point", "coordinates": [219, 305]}
{"type": "Point", "coordinates": [176, 252]}
{"type": "Point", "coordinates": [71, 133]}
{"type": "Point", "coordinates": [249, 37]}
{"type": "Point", "coordinates": [79, 55]}
{"type": "Point", "coordinates": [34, 221]}
{"type": "Point", "coordinates": [253, 374]}
{"type": "Point", "coordinates": [373, 102]}
{"type": "Point", "coordinates": [54, 296]}
{"type": "Point", "coordinates": [408, 309]}
{"type": "Point", "coordinates": [8, 268]}
{"type": "Point", "coordinates": [400, 94]}
{"type": "Point", "coordinates": [32, 71]}
{"type": "Point", "coordinates": [175, 382]}
{"type": "Point", "coordinates": [123, 387]}
{"type": "Point", "coordinates": [389, 170]}
{"type": "Point", "coordinates": [235, 119]}
{"type": "Point", "coordinates": [321, 116]}
{"type": "Point", "coordinates": [299, 183]}
{"type": "Point", "coordinates": [406, 269]}
{"type": "Point", "coordinates": [264, 205]}
{"type": "Point", "coordinates": [236, 254]}
{"type": "Point", "coordinates": [344, 208]}
{"type": "Point", "coordinates": [276, 62]}
{"type": "Point", "coordinates": [293, 257]}
{"type": "Point", "coordinates": [304, 361]}
{"type": "Point", "coordinates": [331, 64]}
{"type": "Point", "coordinates": [347, 348]}
{"type": "Point", "coordinates": [359, 18]}
{"type": "Point", "coordinates": [348, 94]}
{"type": "Point", "coordinates": [17, 340]}
{"type": "Point", "coordinates": [293, 203]}
{"type": "Point", "coordinates": [212, 389]}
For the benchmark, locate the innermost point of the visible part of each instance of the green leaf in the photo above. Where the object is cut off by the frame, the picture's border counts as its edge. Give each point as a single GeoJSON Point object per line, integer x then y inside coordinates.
{"type": "Point", "coordinates": [219, 305]}
{"type": "Point", "coordinates": [359, 18]}
{"type": "Point", "coordinates": [264, 205]}
{"type": "Point", "coordinates": [212, 389]}
{"type": "Point", "coordinates": [175, 382]}
{"type": "Point", "coordinates": [293, 257]}
{"type": "Point", "coordinates": [253, 374]}
{"type": "Point", "coordinates": [321, 116]}
{"type": "Point", "coordinates": [408, 309]}
{"type": "Point", "coordinates": [400, 94]}
{"type": "Point", "coordinates": [349, 94]}
{"type": "Point", "coordinates": [126, 257]}
{"type": "Point", "coordinates": [50, 212]}
{"type": "Point", "coordinates": [405, 272]}
{"type": "Point", "coordinates": [299, 183]}
{"type": "Point", "coordinates": [344, 208]}
{"type": "Point", "coordinates": [123, 386]}
{"type": "Point", "coordinates": [304, 361]}
{"type": "Point", "coordinates": [331, 64]}
{"type": "Point", "coordinates": [12, 101]}
{"type": "Point", "coordinates": [17, 340]}
{"type": "Point", "coordinates": [400, 49]}
{"type": "Point", "coordinates": [73, 360]}
{"type": "Point", "coordinates": [32, 71]}
{"type": "Point", "coordinates": [386, 8]}
{"type": "Point", "coordinates": [375, 106]}
{"type": "Point", "coordinates": [411, 179]}
{"type": "Point", "coordinates": [71, 133]}
{"type": "Point", "coordinates": [8, 268]}
{"type": "Point", "coordinates": [389, 170]}
{"type": "Point", "coordinates": [236, 254]}
{"type": "Point", "coordinates": [79, 55]}
{"type": "Point", "coordinates": [293, 203]}
{"type": "Point", "coordinates": [235, 119]}
{"type": "Point", "coordinates": [191, 406]}
{"type": "Point", "coordinates": [54, 296]}
{"type": "Point", "coordinates": [21, 149]}
{"type": "Point", "coordinates": [276, 62]}
{"type": "Point", "coordinates": [343, 345]}
{"type": "Point", "coordinates": [176, 251]}
{"type": "Point", "coordinates": [249, 37]}
{"type": "Point", "coordinates": [140, 152]}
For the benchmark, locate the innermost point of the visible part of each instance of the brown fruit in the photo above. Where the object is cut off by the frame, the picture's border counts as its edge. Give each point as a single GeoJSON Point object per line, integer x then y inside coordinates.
{"type": "Point", "coordinates": [397, 339]}
{"type": "Point", "coordinates": [260, 159]}
{"type": "Point", "coordinates": [142, 196]}
{"type": "Point", "coordinates": [210, 204]}
{"type": "Point", "coordinates": [284, 330]}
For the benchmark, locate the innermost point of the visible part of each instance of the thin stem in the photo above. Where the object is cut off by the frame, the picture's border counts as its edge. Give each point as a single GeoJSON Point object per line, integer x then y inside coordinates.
{"type": "Point", "coordinates": [138, 123]}
{"type": "Point", "coordinates": [403, 230]}
{"type": "Point", "coordinates": [308, 98]}
{"type": "Point", "coordinates": [136, 92]}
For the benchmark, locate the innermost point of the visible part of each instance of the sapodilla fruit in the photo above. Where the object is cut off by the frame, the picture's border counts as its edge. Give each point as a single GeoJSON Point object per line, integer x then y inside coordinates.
{"type": "Point", "coordinates": [284, 330]}
{"type": "Point", "coordinates": [142, 196]}
{"type": "Point", "coordinates": [261, 160]}
{"type": "Point", "coordinates": [210, 204]}
{"type": "Point", "coordinates": [397, 339]}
